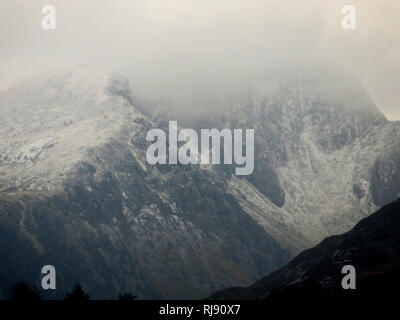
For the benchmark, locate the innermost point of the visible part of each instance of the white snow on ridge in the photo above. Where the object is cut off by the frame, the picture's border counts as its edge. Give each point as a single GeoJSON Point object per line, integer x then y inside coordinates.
{"type": "Point", "coordinates": [50, 120]}
{"type": "Point", "coordinates": [330, 142]}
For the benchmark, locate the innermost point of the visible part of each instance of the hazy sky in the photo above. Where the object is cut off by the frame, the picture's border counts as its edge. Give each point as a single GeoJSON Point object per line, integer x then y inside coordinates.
{"type": "Point", "coordinates": [173, 49]}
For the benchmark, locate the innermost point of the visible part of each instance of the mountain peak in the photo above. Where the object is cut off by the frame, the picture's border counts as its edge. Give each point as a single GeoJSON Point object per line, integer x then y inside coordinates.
{"type": "Point", "coordinates": [49, 120]}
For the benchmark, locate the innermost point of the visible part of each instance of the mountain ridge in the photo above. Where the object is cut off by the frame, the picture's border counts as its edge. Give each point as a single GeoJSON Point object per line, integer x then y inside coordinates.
{"type": "Point", "coordinates": [372, 247]}
{"type": "Point", "coordinates": [107, 219]}
{"type": "Point", "coordinates": [76, 190]}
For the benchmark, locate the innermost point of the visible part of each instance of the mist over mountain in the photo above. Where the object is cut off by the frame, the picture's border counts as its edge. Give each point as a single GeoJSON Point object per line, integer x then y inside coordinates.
{"type": "Point", "coordinates": [183, 50]}
{"type": "Point", "coordinates": [325, 155]}
{"type": "Point", "coordinates": [76, 190]}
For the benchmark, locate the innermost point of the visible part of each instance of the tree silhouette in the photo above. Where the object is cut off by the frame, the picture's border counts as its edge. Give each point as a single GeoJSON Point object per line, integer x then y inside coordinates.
{"type": "Point", "coordinates": [77, 295]}
{"type": "Point", "coordinates": [21, 291]}
{"type": "Point", "coordinates": [126, 297]}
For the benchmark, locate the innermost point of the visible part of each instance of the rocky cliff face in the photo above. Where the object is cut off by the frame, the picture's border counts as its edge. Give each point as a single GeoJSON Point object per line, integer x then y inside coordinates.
{"type": "Point", "coordinates": [76, 190]}
{"type": "Point", "coordinates": [325, 156]}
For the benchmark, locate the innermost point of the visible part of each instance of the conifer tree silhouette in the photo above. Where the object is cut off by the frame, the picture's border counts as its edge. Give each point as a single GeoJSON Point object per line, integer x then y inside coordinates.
{"type": "Point", "coordinates": [77, 295]}
{"type": "Point", "coordinates": [21, 291]}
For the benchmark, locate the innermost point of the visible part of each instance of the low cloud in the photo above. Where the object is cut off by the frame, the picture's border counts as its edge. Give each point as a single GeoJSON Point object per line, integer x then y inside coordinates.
{"type": "Point", "coordinates": [190, 50]}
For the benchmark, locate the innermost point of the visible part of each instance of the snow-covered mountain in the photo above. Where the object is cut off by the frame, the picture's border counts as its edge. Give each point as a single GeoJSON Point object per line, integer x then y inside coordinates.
{"type": "Point", "coordinates": [76, 190]}
{"type": "Point", "coordinates": [325, 156]}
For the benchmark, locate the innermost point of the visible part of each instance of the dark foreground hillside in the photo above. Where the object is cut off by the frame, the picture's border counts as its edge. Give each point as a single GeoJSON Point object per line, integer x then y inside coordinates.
{"type": "Point", "coordinates": [372, 247]}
